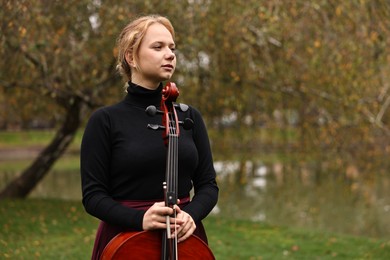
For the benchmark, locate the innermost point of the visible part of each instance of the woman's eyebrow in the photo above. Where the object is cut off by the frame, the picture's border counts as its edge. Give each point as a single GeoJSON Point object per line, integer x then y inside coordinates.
{"type": "Point", "coordinates": [164, 43]}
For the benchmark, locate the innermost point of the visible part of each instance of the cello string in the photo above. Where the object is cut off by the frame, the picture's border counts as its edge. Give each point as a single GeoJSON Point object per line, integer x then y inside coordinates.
{"type": "Point", "coordinates": [173, 147]}
{"type": "Point", "coordinates": [175, 175]}
{"type": "Point", "coordinates": [170, 166]}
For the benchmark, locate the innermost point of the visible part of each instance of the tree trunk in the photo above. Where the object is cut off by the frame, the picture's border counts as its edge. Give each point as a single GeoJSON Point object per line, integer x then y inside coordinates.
{"type": "Point", "coordinates": [25, 183]}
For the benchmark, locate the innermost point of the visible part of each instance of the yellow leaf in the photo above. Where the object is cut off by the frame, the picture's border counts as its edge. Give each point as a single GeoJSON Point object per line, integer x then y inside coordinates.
{"type": "Point", "coordinates": [338, 10]}
{"type": "Point", "coordinates": [22, 31]}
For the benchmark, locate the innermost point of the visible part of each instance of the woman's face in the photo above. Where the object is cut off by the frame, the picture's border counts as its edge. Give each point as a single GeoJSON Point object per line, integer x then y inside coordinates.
{"type": "Point", "coordinates": [156, 58]}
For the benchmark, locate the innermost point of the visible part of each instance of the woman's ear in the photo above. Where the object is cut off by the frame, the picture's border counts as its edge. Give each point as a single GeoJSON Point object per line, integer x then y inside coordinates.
{"type": "Point", "coordinates": [129, 59]}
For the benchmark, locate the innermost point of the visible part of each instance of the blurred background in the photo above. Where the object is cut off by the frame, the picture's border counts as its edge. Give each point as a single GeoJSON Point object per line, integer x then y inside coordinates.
{"type": "Point", "coordinates": [295, 95]}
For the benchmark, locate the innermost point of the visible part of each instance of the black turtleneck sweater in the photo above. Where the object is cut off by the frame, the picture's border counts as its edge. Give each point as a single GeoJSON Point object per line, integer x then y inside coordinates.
{"type": "Point", "coordinates": [121, 159]}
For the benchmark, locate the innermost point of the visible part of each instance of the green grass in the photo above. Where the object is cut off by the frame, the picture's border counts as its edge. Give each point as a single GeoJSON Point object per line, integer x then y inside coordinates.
{"type": "Point", "coordinates": [65, 163]}
{"type": "Point", "coordinates": [32, 138]}
{"type": "Point", "coordinates": [248, 240]}
{"type": "Point", "coordinates": [45, 229]}
{"type": "Point", "coordinates": [54, 229]}
{"type": "Point", "coordinates": [25, 138]}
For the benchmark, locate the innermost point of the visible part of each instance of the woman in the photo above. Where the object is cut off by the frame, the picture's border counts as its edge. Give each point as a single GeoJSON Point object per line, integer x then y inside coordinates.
{"type": "Point", "coordinates": [123, 162]}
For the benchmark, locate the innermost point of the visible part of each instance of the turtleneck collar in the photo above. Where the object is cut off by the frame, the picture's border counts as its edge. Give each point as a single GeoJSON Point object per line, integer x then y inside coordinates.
{"type": "Point", "coordinates": [143, 97]}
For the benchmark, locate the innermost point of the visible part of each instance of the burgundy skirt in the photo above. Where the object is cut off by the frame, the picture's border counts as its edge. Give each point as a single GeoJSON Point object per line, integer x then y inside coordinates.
{"type": "Point", "coordinates": [106, 232]}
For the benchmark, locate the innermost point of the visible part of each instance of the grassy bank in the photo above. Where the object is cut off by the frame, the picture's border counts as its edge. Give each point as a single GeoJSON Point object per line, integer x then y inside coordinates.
{"type": "Point", "coordinates": [31, 138]}
{"type": "Point", "coordinates": [52, 229]}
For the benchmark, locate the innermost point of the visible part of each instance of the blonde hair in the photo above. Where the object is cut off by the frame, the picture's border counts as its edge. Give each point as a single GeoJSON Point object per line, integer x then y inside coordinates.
{"type": "Point", "coordinates": [131, 37]}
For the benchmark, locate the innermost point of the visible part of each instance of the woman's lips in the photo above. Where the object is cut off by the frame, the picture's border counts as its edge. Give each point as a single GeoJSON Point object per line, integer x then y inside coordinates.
{"type": "Point", "coordinates": [168, 66]}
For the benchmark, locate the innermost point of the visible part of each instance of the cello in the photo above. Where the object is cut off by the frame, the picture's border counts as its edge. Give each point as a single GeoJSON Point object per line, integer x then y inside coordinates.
{"type": "Point", "coordinates": [160, 244]}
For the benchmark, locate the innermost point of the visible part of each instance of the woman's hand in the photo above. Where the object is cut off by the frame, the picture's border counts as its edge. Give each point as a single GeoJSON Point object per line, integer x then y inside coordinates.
{"type": "Point", "coordinates": [187, 225]}
{"type": "Point", "coordinates": [156, 216]}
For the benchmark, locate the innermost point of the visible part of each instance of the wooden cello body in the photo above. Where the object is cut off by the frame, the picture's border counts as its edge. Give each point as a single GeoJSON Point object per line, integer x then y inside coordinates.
{"type": "Point", "coordinates": [147, 245]}
{"type": "Point", "coordinates": [157, 244]}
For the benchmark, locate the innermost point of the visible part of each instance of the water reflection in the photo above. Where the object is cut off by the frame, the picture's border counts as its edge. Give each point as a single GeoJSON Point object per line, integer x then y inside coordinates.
{"type": "Point", "coordinates": [304, 195]}
{"type": "Point", "coordinates": [59, 184]}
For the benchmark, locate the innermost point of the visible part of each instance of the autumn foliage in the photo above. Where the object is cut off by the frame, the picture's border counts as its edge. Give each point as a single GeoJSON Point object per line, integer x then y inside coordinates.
{"type": "Point", "coordinates": [317, 68]}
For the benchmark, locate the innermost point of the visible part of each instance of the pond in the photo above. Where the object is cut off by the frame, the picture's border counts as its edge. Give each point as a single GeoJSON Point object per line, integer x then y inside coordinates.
{"type": "Point", "coordinates": [309, 196]}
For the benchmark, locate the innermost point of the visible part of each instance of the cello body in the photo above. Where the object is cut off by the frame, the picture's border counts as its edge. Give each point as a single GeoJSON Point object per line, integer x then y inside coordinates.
{"type": "Point", "coordinates": [147, 245]}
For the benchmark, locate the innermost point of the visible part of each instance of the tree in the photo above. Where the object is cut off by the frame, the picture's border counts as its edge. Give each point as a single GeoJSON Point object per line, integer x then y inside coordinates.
{"type": "Point", "coordinates": [55, 56]}
{"type": "Point", "coordinates": [63, 54]}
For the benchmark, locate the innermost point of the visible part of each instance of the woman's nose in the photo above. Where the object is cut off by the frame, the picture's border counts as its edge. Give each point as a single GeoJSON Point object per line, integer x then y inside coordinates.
{"type": "Point", "coordinates": [170, 54]}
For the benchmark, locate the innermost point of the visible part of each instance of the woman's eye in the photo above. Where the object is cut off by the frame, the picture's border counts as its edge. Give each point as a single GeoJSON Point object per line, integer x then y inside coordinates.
{"type": "Point", "coordinates": [156, 47]}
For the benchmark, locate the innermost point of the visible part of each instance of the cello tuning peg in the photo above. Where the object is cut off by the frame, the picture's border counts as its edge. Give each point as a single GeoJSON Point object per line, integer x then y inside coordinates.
{"type": "Point", "coordinates": [182, 107]}
{"type": "Point", "coordinates": [156, 127]}
{"type": "Point", "coordinates": [152, 111]}
{"type": "Point", "coordinates": [187, 124]}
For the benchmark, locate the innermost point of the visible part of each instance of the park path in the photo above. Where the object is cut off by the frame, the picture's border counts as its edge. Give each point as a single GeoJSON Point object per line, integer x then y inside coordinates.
{"type": "Point", "coordinates": [7, 154]}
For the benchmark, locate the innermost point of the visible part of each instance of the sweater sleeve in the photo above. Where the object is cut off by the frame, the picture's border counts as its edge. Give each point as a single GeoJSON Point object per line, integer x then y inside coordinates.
{"type": "Point", "coordinates": [204, 180]}
{"type": "Point", "coordinates": [95, 159]}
